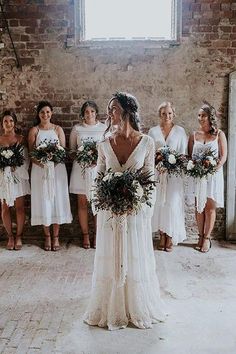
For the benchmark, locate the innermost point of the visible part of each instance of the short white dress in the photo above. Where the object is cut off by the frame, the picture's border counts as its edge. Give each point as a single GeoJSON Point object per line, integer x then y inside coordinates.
{"type": "Point", "coordinates": [125, 285]}
{"type": "Point", "coordinates": [214, 183]}
{"type": "Point", "coordinates": [169, 212]}
{"type": "Point", "coordinates": [49, 209]}
{"type": "Point", "coordinates": [81, 183]}
{"type": "Point", "coordinates": [15, 184]}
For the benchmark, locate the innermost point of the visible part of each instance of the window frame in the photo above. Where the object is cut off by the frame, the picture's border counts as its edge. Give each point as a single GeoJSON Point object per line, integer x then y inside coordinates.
{"type": "Point", "coordinates": [79, 20]}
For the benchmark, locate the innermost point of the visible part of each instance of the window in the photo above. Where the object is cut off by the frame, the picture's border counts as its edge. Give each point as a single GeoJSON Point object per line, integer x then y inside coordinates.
{"type": "Point", "coordinates": [127, 20]}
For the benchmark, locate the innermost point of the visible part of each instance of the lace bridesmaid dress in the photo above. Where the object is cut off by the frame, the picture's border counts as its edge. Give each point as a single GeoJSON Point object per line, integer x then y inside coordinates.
{"type": "Point", "coordinates": [125, 286]}
{"type": "Point", "coordinates": [81, 183]}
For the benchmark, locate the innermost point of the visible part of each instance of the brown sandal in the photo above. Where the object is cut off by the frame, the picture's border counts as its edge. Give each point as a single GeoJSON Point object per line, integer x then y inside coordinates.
{"type": "Point", "coordinates": [10, 243]}
{"type": "Point", "coordinates": [86, 241]}
{"type": "Point", "coordinates": [161, 246]}
{"type": "Point", "coordinates": [47, 243]}
{"type": "Point", "coordinates": [205, 250]}
{"type": "Point", "coordinates": [18, 243]}
{"type": "Point", "coordinates": [200, 242]}
{"type": "Point", "coordinates": [169, 244]}
{"type": "Point", "coordinates": [55, 244]}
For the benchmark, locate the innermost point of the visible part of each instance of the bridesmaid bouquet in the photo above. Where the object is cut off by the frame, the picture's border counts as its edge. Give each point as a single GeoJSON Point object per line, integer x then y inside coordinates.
{"type": "Point", "coordinates": [201, 165]}
{"type": "Point", "coordinates": [12, 156]}
{"type": "Point", "coordinates": [49, 150]}
{"type": "Point", "coordinates": [87, 154]}
{"type": "Point", "coordinates": [122, 192]}
{"type": "Point", "coordinates": [169, 161]}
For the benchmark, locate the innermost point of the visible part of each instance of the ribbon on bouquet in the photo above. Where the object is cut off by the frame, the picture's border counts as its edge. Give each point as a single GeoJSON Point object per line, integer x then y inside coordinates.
{"type": "Point", "coordinates": [201, 193]}
{"type": "Point", "coordinates": [119, 225]}
{"type": "Point", "coordinates": [90, 173]}
{"type": "Point", "coordinates": [163, 186]}
{"type": "Point", "coordinates": [49, 180]}
{"type": "Point", "coordinates": [7, 181]}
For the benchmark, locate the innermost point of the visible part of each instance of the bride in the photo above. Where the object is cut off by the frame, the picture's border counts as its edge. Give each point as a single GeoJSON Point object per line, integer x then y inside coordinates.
{"type": "Point", "coordinates": [120, 296]}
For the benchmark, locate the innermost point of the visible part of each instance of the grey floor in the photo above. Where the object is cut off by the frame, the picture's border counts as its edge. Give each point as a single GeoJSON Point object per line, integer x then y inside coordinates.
{"type": "Point", "coordinates": [43, 296]}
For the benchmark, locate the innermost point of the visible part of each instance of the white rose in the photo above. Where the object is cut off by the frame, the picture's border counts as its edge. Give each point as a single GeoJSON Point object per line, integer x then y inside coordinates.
{"type": "Point", "coordinates": [81, 148]}
{"type": "Point", "coordinates": [60, 147]}
{"type": "Point", "coordinates": [8, 154]}
{"type": "Point", "coordinates": [139, 189]}
{"type": "Point", "coordinates": [213, 162]}
{"type": "Point", "coordinates": [107, 177]}
{"type": "Point", "coordinates": [118, 174]}
{"type": "Point", "coordinates": [90, 152]}
{"type": "Point", "coordinates": [190, 165]}
{"type": "Point", "coordinates": [42, 146]}
{"type": "Point", "coordinates": [171, 159]}
{"type": "Point", "coordinates": [3, 153]}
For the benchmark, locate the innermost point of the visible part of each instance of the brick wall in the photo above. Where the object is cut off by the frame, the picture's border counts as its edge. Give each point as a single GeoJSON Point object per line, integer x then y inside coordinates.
{"type": "Point", "coordinates": [196, 69]}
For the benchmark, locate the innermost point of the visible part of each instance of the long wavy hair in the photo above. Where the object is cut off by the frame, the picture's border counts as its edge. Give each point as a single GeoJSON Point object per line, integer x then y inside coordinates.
{"type": "Point", "coordinates": [212, 117]}
{"type": "Point", "coordinates": [130, 107]}
{"type": "Point", "coordinates": [41, 105]}
{"type": "Point", "coordinates": [10, 112]}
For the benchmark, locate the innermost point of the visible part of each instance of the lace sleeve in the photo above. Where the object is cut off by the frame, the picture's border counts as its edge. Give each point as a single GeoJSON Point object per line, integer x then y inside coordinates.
{"type": "Point", "coordinates": [149, 162]}
{"type": "Point", "coordinates": [101, 163]}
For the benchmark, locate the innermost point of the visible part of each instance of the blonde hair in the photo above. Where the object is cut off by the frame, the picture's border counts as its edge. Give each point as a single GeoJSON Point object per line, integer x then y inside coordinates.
{"type": "Point", "coordinates": [166, 104]}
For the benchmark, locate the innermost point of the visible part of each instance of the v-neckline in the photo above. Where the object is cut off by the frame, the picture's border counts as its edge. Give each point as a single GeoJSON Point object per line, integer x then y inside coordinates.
{"type": "Point", "coordinates": [170, 132]}
{"type": "Point", "coordinates": [131, 154]}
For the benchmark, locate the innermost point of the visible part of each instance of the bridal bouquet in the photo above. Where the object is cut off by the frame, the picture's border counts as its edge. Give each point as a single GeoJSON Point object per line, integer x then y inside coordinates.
{"type": "Point", "coordinates": [87, 154]}
{"type": "Point", "coordinates": [201, 165]}
{"type": "Point", "coordinates": [49, 150]}
{"type": "Point", "coordinates": [12, 156]}
{"type": "Point", "coordinates": [122, 192]}
{"type": "Point", "coordinates": [170, 161]}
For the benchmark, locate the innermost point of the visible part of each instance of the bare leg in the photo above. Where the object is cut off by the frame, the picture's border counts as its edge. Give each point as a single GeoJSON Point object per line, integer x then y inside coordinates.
{"type": "Point", "coordinates": [200, 218]}
{"type": "Point", "coordinates": [210, 217]}
{"type": "Point", "coordinates": [162, 242]}
{"type": "Point", "coordinates": [83, 218]}
{"type": "Point", "coordinates": [47, 243]}
{"type": "Point", "coordinates": [20, 219]}
{"type": "Point", "coordinates": [169, 244]}
{"type": "Point", "coordinates": [6, 220]}
{"type": "Point", "coordinates": [55, 242]}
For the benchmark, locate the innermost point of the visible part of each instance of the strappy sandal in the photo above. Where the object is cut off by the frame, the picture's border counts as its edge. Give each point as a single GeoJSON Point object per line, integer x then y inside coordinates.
{"type": "Point", "coordinates": [47, 243]}
{"type": "Point", "coordinates": [10, 243]}
{"type": "Point", "coordinates": [55, 244]}
{"type": "Point", "coordinates": [94, 241]}
{"type": "Point", "coordinates": [18, 243]}
{"type": "Point", "coordinates": [200, 242]}
{"type": "Point", "coordinates": [86, 241]}
{"type": "Point", "coordinates": [209, 246]}
{"type": "Point", "coordinates": [161, 246]}
{"type": "Point", "coordinates": [169, 244]}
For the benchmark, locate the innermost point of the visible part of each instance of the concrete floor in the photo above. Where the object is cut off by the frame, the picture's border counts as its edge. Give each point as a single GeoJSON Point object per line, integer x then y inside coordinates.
{"type": "Point", "coordinates": [43, 296]}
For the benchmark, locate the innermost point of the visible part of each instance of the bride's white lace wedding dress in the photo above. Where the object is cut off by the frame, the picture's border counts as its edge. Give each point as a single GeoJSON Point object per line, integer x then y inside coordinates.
{"type": "Point", "coordinates": [125, 286]}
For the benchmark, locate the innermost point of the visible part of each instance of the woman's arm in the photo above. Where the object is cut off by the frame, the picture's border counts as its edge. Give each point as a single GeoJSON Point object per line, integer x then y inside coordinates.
{"type": "Point", "coordinates": [190, 145]}
{"type": "Point", "coordinates": [61, 136]}
{"type": "Point", "coordinates": [73, 139]}
{"type": "Point", "coordinates": [222, 149]}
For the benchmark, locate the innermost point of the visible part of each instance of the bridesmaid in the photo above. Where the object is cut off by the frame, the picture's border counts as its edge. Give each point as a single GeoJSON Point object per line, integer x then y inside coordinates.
{"type": "Point", "coordinates": [47, 210]}
{"type": "Point", "coordinates": [169, 216]}
{"type": "Point", "coordinates": [20, 187]}
{"type": "Point", "coordinates": [209, 136]}
{"type": "Point", "coordinates": [80, 183]}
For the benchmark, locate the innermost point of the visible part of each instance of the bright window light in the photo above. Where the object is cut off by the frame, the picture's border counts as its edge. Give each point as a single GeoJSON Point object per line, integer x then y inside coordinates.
{"type": "Point", "coordinates": [128, 19]}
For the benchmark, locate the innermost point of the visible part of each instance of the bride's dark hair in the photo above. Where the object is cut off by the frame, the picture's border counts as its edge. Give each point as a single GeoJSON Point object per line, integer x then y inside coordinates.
{"type": "Point", "coordinates": [130, 107]}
